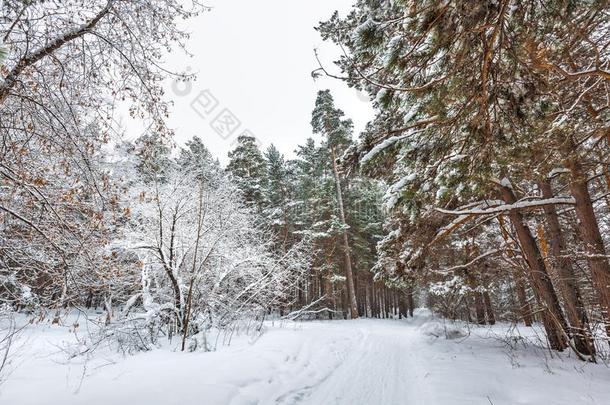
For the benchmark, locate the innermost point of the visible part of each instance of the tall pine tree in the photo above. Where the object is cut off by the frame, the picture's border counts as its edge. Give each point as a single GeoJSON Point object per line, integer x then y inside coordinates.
{"type": "Point", "coordinates": [328, 121]}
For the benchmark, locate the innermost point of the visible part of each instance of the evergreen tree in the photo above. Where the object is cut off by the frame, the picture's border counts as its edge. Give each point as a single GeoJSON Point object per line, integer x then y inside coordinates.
{"type": "Point", "coordinates": [312, 208]}
{"type": "Point", "coordinates": [248, 168]}
{"type": "Point", "coordinates": [329, 122]}
{"type": "Point", "coordinates": [461, 111]}
{"type": "Point", "coordinates": [278, 194]}
{"type": "Point", "coordinates": [196, 157]}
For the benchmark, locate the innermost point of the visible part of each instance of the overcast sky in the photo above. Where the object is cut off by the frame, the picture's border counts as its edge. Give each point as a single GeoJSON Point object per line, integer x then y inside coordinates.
{"type": "Point", "coordinates": [254, 59]}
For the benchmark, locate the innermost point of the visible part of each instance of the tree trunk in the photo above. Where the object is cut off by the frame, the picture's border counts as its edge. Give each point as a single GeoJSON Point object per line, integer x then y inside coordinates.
{"type": "Point", "coordinates": [566, 279]}
{"type": "Point", "coordinates": [379, 302]}
{"type": "Point", "coordinates": [387, 300]}
{"type": "Point", "coordinates": [349, 276]}
{"type": "Point", "coordinates": [89, 302]}
{"type": "Point", "coordinates": [524, 306]}
{"type": "Point", "coordinates": [491, 317]}
{"type": "Point", "coordinates": [402, 302]}
{"type": "Point", "coordinates": [399, 303]}
{"type": "Point", "coordinates": [552, 317]}
{"type": "Point", "coordinates": [382, 302]}
{"type": "Point", "coordinates": [367, 298]}
{"type": "Point", "coordinates": [479, 308]}
{"type": "Point", "coordinates": [411, 301]}
{"type": "Point", "coordinates": [328, 292]}
{"type": "Point", "coordinates": [592, 238]}
{"type": "Point", "coordinates": [373, 301]}
{"type": "Point", "coordinates": [187, 314]}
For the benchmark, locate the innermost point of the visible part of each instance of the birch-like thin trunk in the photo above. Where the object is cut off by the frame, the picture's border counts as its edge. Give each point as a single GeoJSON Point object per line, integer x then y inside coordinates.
{"type": "Point", "coordinates": [187, 314]}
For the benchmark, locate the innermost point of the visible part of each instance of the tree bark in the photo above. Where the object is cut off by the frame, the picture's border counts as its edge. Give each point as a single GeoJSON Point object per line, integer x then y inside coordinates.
{"type": "Point", "coordinates": [491, 317]}
{"type": "Point", "coordinates": [373, 301]}
{"type": "Point", "coordinates": [524, 306]}
{"type": "Point", "coordinates": [591, 236]}
{"type": "Point", "coordinates": [411, 301]}
{"type": "Point", "coordinates": [187, 314]}
{"type": "Point", "coordinates": [479, 308]}
{"type": "Point", "coordinates": [388, 302]}
{"type": "Point", "coordinates": [349, 276]}
{"type": "Point", "coordinates": [367, 302]}
{"type": "Point", "coordinates": [566, 279]}
{"type": "Point", "coordinates": [552, 317]}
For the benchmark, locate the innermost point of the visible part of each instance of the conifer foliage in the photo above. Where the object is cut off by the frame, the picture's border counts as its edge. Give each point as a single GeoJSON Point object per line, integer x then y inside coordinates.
{"type": "Point", "coordinates": [311, 199]}
{"type": "Point", "coordinates": [491, 133]}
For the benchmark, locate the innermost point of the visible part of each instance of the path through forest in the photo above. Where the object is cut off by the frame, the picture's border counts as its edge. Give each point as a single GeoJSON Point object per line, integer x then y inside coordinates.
{"type": "Point", "coordinates": [368, 362]}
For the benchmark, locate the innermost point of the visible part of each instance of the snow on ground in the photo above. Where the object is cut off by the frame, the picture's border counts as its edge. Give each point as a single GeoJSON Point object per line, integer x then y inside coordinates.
{"type": "Point", "coordinates": [369, 362]}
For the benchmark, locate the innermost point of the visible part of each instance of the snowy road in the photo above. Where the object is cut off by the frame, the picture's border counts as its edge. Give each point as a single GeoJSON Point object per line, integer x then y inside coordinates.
{"type": "Point", "coordinates": [368, 362]}
{"type": "Point", "coordinates": [367, 370]}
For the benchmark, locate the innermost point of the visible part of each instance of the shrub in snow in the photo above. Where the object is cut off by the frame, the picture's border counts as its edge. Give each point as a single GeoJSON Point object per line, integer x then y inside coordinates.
{"type": "Point", "coordinates": [447, 297]}
{"type": "Point", "coordinates": [205, 263]}
{"type": "Point", "coordinates": [448, 330]}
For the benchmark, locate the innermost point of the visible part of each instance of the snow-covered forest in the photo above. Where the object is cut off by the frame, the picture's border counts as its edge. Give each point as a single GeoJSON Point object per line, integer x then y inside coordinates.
{"type": "Point", "coordinates": [454, 251]}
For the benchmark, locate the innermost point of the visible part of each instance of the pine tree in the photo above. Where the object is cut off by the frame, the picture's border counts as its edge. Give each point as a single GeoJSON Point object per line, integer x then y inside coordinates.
{"type": "Point", "coordinates": [462, 111]}
{"type": "Point", "coordinates": [329, 122]}
{"type": "Point", "coordinates": [313, 211]}
{"type": "Point", "coordinates": [197, 158]}
{"type": "Point", "coordinates": [278, 197]}
{"type": "Point", "coordinates": [248, 167]}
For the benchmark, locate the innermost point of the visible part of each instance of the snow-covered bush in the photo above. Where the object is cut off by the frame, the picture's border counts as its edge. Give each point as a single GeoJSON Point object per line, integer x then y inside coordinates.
{"type": "Point", "coordinates": [204, 262]}
{"type": "Point", "coordinates": [443, 328]}
{"type": "Point", "coordinates": [8, 332]}
{"type": "Point", "coordinates": [447, 297]}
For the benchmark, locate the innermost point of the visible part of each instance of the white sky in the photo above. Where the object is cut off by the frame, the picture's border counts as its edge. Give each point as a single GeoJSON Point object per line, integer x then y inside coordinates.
{"type": "Point", "coordinates": [256, 58]}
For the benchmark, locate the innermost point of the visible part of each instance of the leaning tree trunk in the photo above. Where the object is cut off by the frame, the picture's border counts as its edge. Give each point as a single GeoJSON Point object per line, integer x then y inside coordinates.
{"type": "Point", "coordinates": [552, 317]}
{"type": "Point", "coordinates": [591, 236]}
{"type": "Point", "coordinates": [566, 279]}
{"type": "Point", "coordinates": [349, 275]}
